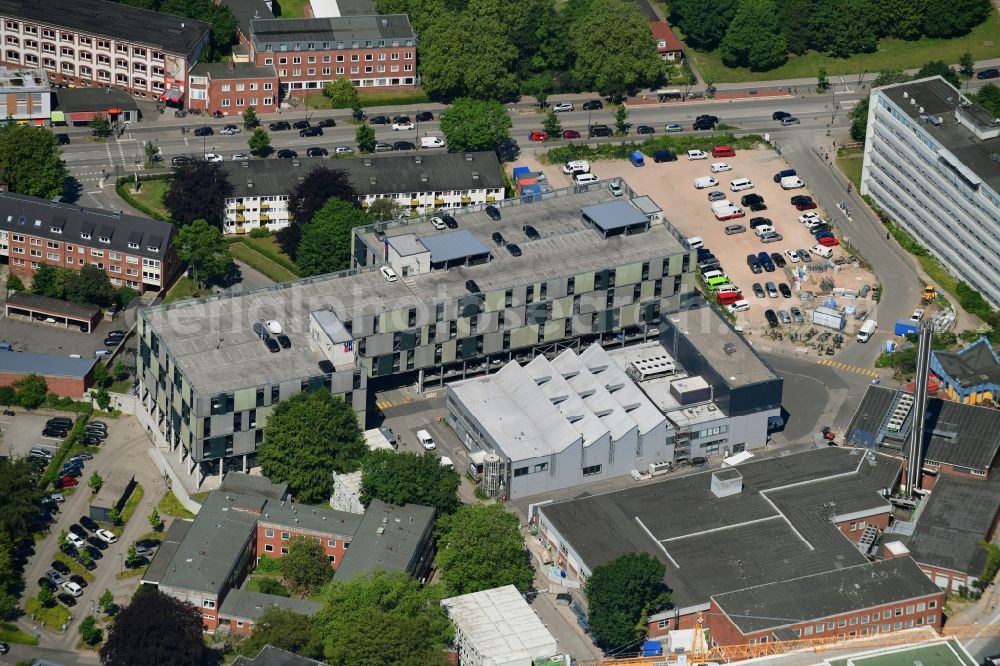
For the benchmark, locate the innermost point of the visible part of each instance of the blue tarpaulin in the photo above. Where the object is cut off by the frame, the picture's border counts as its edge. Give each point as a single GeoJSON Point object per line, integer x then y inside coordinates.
{"type": "Point", "coordinates": [652, 648]}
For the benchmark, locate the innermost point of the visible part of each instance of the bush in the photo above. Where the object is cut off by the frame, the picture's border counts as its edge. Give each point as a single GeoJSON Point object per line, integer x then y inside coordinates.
{"type": "Point", "coordinates": [675, 144]}
{"type": "Point", "coordinates": [271, 565]}
{"type": "Point", "coordinates": [268, 585]}
{"type": "Point", "coordinates": [8, 396]}
{"type": "Point", "coordinates": [259, 232]}
{"type": "Point", "coordinates": [90, 632]}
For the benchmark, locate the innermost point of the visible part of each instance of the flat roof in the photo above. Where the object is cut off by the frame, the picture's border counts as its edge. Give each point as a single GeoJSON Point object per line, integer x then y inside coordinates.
{"type": "Point", "coordinates": [786, 602]}
{"type": "Point", "coordinates": [453, 245]}
{"type": "Point", "coordinates": [272, 656]}
{"type": "Point", "coordinates": [935, 97]}
{"type": "Point", "coordinates": [975, 365]}
{"type": "Point", "coordinates": [165, 553]}
{"type": "Point", "coordinates": [27, 363]}
{"type": "Point", "coordinates": [240, 70]}
{"type": "Point", "coordinates": [27, 300]}
{"type": "Point", "coordinates": [246, 11]}
{"type": "Point", "coordinates": [24, 79]}
{"type": "Point", "coordinates": [389, 537]}
{"type": "Point", "coordinates": [83, 100]}
{"type": "Point", "coordinates": [958, 515]}
{"type": "Point", "coordinates": [249, 605]}
{"type": "Point", "coordinates": [499, 625]}
{"type": "Point", "coordinates": [175, 34]}
{"type": "Point", "coordinates": [191, 330]}
{"type": "Point", "coordinates": [777, 528]}
{"type": "Point", "coordinates": [613, 215]}
{"type": "Point", "coordinates": [240, 483]}
{"type": "Point", "coordinates": [343, 29]}
{"type": "Point", "coordinates": [939, 653]}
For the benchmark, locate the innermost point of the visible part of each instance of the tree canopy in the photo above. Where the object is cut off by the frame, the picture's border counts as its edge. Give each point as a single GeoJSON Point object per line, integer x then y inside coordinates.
{"type": "Point", "coordinates": [620, 594]}
{"type": "Point", "coordinates": [480, 547]}
{"type": "Point", "coordinates": [286, 630]}
{"type": "Point", "coordinates": [404, 477]}
{"type": "Point", "coordinates": [988, 97]}
{"type": "Point", "coordinates": [31, 390]}
{"type": "Point", "coordinates": [325, 246]}
{"type": "Point", "coordinates": [939, 68]}
{"type": "Point", "coordinates": [198, 191]}
{"type": "Point", "coordinates": [204, 250]}
{"type": "Point", "coordinates": [310, 195]}
{"type": "Point", "coordinates": [307, 438]}
{"type": "Point", "coordinates": [754, 38]}
{"type": "Point", "coordinates": [385, 619]}
{"type": "Point", "coordinates": [259, 142]}
{"type": "Point", "coordinates": [155, 629]}
{"type": "Point", "coordinates": [704, 23]}
{"type": "Point", "coordinates": [342, 93]}
{"type": "Point", "coordinates": [31, 162]}
{"type": "Point", "coordinates": [472, 124]}
{"type": "Point", "coordinates": [90, 285]}
{"type": "Point", "coordinates": [305, 567]}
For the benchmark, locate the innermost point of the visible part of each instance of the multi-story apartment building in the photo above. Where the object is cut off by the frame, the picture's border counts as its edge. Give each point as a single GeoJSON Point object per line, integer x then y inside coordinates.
{"type": "Point", "coordinates": [229, 88]}
{"type": "Point", "coordinates": [931, 162]}
{"type": "Point", "coordinates": [25, 95]}
{"type": "Point", "coordinates": [372, 51]}
{"type": "Point", "coordinates": [590, 268]}
{"type": "Point", "coordinates": [418, 183]}
{"type": "Point", "coordinates": [134, 251]}
{"type": "Point", "coordinates": [100, 43]}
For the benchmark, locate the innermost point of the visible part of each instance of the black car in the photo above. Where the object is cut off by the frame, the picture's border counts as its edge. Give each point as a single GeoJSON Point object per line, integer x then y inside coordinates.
{"type": "Point", "coordinates": [79, 531]}
{"type": "Point", "coordinates": [600, 130]}
{"type": "Point", "coordinates": [800, 199]}
{"type": "Point", "coordinates": [317, 152]}
{"type": "Point", "coordinates": [785, 291]}
{"type": "Point", "coordinates": [45, 582]}
{"type": "Point", "coordinates": [760, 222]}
{"type": "Point", "coordinates": [404, 145]}
{"type": "Point", "coordinates": [664, 156]}
{"type": "Point", "coordinates": [497, 238]}
{"type": "Point", "coordinates": [272, 345]}
{"type": "Point", "coordinates": [531, 232]}
{"type": "Point", "coordinates": [424, 116]}
{"type": "Point", "coordinates": [703, 125]}
{"type": "Point", "coordinates": [327, 122]}
{"type": "Point", "coordinates": [91, 439]}
{"type": "Point", "coordinates": [514, 250]}
{"type": "Point", "coordinates": [698, 461]}
{"type": "Point", "coordinates": [63, 139]}
{"type": "Point", "coordinates": [279, 126]}
{"type": "Point", "coordinates": [380, 120]}
{"type": "Point", "coordinates": [300, 124]}
{"type": "Point", "coordinates": [56, 433]}
{"type": "Point", "coordinates": [69, 550]}
{"type": "Point", "coordinates": [118, 333]}
{"type": "Point", "coordinates": [991, 73]}
{"type": "Point", "coordinates": [593, 105]}
{"type": "Point", "coordinates": [67, 600]}
{"type": "Point", "coordinates": [95, 553]}
{"type": "Point", "coordinates": [311, 131]}
{"type": "Point", "coordinates": [112, 342]}
{"type": "Point", "coordinates": [62, 421]}
{"type": "Point", "coordinates": [778, 260]}
{"type": "Point", "coordinates": [757, 207]}
{"type": "Point", "coordinates": [286, 154]}
{"type": "Point", "coordinates": [645, 129]}
{"type": "Point", "coordinates": [450, 222]}
{"type": "Point", "coordinates": [493, 212]}
{"type": "Point", "coordinates": [79, 580]}
{"type": "Point", "coordinates": [89, 523]}
{"type": "Point", "coordinates": [100, 544]}
{"type": "Point", "coordinates": [471, 286]}
{"type": "Point", "coordinates": [284, 341]}
{"type": "Point", "coordinates": [61, 567]}
{"type": "Point", "coordinates": [751, 199]}
{"type": "Point", "coordinates": [708, 119]}
{"type": "Point", "coordinates": [180, 160]}
{"type": "Point", "coordinates": [89, 565]}
{"type": "Point", "coordinates": [771, 317]}
{"type": "Point", "coordinates": [148, 544]}
{"type": "Point", "coordinates": [778, 115]}
{"type": "Point", "coordinates": [204, 131]}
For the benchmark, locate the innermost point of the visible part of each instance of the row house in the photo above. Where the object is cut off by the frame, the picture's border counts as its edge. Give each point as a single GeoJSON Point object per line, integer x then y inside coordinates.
{"type": "Point", "coordinates": [135, 252]}
{"type": "Point", "coordinates": [99, 43]}
{"type": "Point", "coordinates": [230, 88]}
{"type": "Point", "coordinates": [372, 51]}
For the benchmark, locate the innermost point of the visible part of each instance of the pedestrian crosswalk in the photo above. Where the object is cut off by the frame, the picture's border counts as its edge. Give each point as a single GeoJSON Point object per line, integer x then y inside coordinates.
{"type": "Point", "coordinates": [384, 404]}
{"type": "Point", "coordinates": [849, 368]}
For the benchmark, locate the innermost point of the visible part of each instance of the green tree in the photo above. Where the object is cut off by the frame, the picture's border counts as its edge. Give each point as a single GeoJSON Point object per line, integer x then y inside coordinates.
{"type": "Point", "coordinates": [14, 283]}
{"type": "Point", "coordinates": [704, 23]}
{"type": "Point", "coordinates": [155, 521]}
{"type": "Point", "coordinates": [43, 282]}
{"type": "Point", "coordinates": [46, 598]}
{"type": "Point", "coordinates": [822, 80]}
{"type": "Point", "coordinates": [155, 629]}
{"type": "Point", "coordinates": [859, 119]}
{"type": "Point", "coordinates": [266, 585]}
{"type": "Point", "coordinates": [90, 285]}
{"type": "Point", "coordinates": [472, 124]}
{"type": "Point", "coordinates": [989, 98]}
{"type": "Point", "coordinates": [259, 142]}
{"type": "Point", "coordinates": [960, 17]}
{"type": "Point", "coordinates": [8, 395]}
{"type": "Point", "coordinates": [90, 633]}
{"type": "Point", "coordinates": [85, 557]}
{"type": "Point", "coordinates": [125, 296]}
{"type": "Point", "coordinates": [793, 17]}
{"type": "Point", "coordinates": [307, 438]}
{"type": "Point", "coordinates": [342, 93]}
{"type": "Point", "coordinates": [106, 601]}
{"type": "Point", "coordinates": [118, 371]}
{"type": "Point", "coordinates": [612, 43]}
{"type": "Point", "coordinates": [890, 76]}
{"type": "Point", "coordinates": [939, 68]}
{"type": "Point", "coordinates": [754, 38]}
{"type": "Point", "coordinates": [454, 66]}
{"type": "Point", "coordinates": [383, 619]}
{"type": "Point", "coordinates": [250, 119]}
{"type": "Point", "coordinates": [204, 250]}
{"type": "Point", "coordinates": [552, 125]}
{"type": "Point", "coordinates": [903, 19]}
{"type": "Point", "coordinates": [538, 86]}
{"type": "Point", "coordinates": [381, 210]}
{"type": "Point", "coordinates": [96, 482]}
{"type": "Point", "coordinates": [305, 567]}
{"type": "Point", "coordinates": [115, 516]}
{"type": "Point", "coordinates": [63, 538]}
{"type": "Point", "coordinates": [132, 558]}
{"type": "Point", "coordinates": [312, 192]}
{"type": "Point", "coordinates": [621, 119]}
{"type": "Point", "coordinates": [966, 65]}
{"type": "Point", "coordinates": [99, 125]}
{"type": "Point", "coordinates": [198, 191]}
{"type": "Point", "coordinates": [151, 150]}
{"type": "Point", "coordinates": [286, 630]}
{"type": "Point", "coordinates": [31, 390]}
{"type": "Point", "coordinates": [218, 16]}
{"type": "Point", "coordinates": [365, 136]}
{"type": "Point", "coordinates": [480, 547]}
{"type": "Point", "coordinates": [18, 502]}
{"type": "Point", "coordinates": [103, 399]}
{"type": "Point", "coordinates": [854, 30]}
{"type": "Point", "coordinates": [31, 162]}
{"type": "Point", "coordinates": [407, 478]}
{"type": "Point", "coordinates": [101, 375]}
{"type": "Point", "coordinates": [620, 594]}
{"type": "Point", "coordinates": [326, 240]}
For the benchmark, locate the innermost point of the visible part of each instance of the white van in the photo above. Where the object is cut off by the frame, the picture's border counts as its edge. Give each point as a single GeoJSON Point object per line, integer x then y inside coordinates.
{"type": "Point", "coordinates": [821, 251]}
{"type": "Point", "coordinates": [741, 184]}
{"type": "Point", "coordinates": [576, 165]}
{"type": "Point", "coordinates": [791, 183]}
{"type": "Point", "coordinates": [704, 181]}
{"type": "Point", "coordinates": [426, 440]}
{"type": "Point", "coordinates": [694, 242]}
{"type": "Point", "coordinates": [585, 178]}
{"type": "Point", "coordinates": [431, 142]}
{"type": "Point", "coordinates": [867, 330]}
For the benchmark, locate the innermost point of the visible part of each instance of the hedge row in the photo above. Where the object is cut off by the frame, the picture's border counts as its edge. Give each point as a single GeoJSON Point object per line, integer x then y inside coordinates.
{"type": "Point", "coordinates": [52, 472]}
{"type": "Point", "coordinates": [675, 144]}
{"type": "Point", "coordinates": [122, 190]}
{"type": "Point", "coordinates": [260, 248]}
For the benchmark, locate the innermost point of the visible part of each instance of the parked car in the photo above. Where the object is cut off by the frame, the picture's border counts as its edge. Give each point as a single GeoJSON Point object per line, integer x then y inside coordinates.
{"type": "Point", "coordinates": [424, 116]}
{"type": "Point", "coordinates": [61, 567]}
{"type": "Point", "coordinates": [758, 290]}
{"type": "Point", "coordinates": [311, 131]}
{"type": "Point", "coordinates": [97, 543]}
{"type": "Point", "coordinates": [786, 292]}
{"type": "Point", "coordinates": [66, 482]}
{"type": "Point", "coordinates": [796, 314]}
{"type": "Point", "coordinates": [379, 120]}
{"type": "Point", "coordinates": [778, 115]}
{"type": "Point", "coordinates": [89, 523]}
{"type": "Point", "coordinates": [673, 127]}
{"type": "Point", "coordinates": [754, 263]}
{"type": "Point", "coordinates": [697, 155]}
{"type": "Point", "coordinates": [286, 154]}
{"type": "Point", "coordinates": [792, 255]}
{"type": "Point", "coordinates": [280, 126]}
{"type": "Point", "coordinates": [388, 274]}
{"type": "Point", "coordinates": [78, 531]}
{"type": "Point", "coordinates": [514, 250]}
{"type": "Point", "coordinates": [402, 124]}
{"type": "Point", "coordinates": [106, 535]}
{"type": "Point", "coordinates": [563, 106]}
{"type": "Point", "coordinates": [538, 135]}
{"type": "Point", "coordinates": [991, 73]}
{"type": "Point", "coordinates": [570, 134]}
{"type": "Point", "coordinates": [593, 105]}
{"type": "Point", "coordinates": [450, 221]}
{"type": "Point", "coordinates": [497, 238]}
{"type": "Point", "coordinates": [790, 120]}
{"type": "Point", "coordinates": [241, 157]}
{"type": "Point", "coordinates": [772, 318]}
{"type": "Point", "coordinates": [530, 232]}
{"type": "Point", "coordinates": [716, 195]}
{"type": "Point", "coordinates": [66, 599]}
{"type": "Point", "coordinates": [204, 131]}
{"type": "Point", "coordinates": [719, 167]}
{"type": "Point", "coordinates": [600, 130]}
{"type": "Point", "coordinates": [301, 124]}
{"type": "Point", "coordinates": [317, 151]}
{"type": "Point", "coordinates": [327, 122]}
{"type": "Point", "coordinates": [404, 145]}
{"type": "Point", "coordinates": [343, 150]}
{"type": "Point", "coordinates": [78, 580]}
{"type": "Point", "coordinates": [229, 130]}
{"type": "Point", "coordinates": [778, 260]}
{"type": "Point", "coordinates": [493, 212]}
{"type": "Point", "coordinates": [645, 129]}
{"type": "Point", "coordinates": [383, 147]}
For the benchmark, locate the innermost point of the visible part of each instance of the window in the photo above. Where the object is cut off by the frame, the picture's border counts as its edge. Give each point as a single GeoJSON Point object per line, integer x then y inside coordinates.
{"type": "Point", "coordinates": [269, 533]}
{"type": "Point", "coordinates": [820, 628]}
{"type": "Point", "coordinates": [332, 558]}
{"type": "Point", "coordinates": [854, 620]}
{"type": "Point", "coordinates": [332, 543]}
{"type": "Point", "coordinates": [225, 87]}
{"type": "Point", "coordinates": [932, 604]}
{"type": "Point", "coordinates": [240, 87]}
{"type": "Point", "coordinates": [239, 623]}
{"type": "Point", "coordinates": [208, 603]}
{"type": "Point", "coordinates": [931, 619]}
{"type": "Point", "coordinates": [522, 471]}
{"type": "Point", "coordinates": [268, 548]}
{"type": "Point", "coordinates": [864, 619]}
{"type": "Point", "coordinates": [898, 612]}
{"type": "Point", "coordinates": [285, 536]}
{"type": "Point", "coordinates": [886, 615]}
{"type": "Point", "coordinates": [909, 610]}
{"type": "Point", "coordinates": [808, 631]}
{"type": "Point", "coordinates": [97, 253]}
{"type": "Point", "coordinates": [593, 469]}
{"type": "Point", "coordinates": [284, 551]}
{"type": "Point", "coordinates": [920, 607]}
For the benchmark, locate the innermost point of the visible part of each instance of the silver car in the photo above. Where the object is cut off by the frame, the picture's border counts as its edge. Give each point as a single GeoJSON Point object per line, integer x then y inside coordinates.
{"type": "Point", "coordinates": [771, 237]}
{"type": "Point", "coordinates": [735, 229]}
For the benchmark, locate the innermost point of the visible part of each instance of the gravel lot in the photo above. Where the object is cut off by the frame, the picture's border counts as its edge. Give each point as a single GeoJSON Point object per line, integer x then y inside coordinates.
{"type": "Point", "coordinates": [671, 185]}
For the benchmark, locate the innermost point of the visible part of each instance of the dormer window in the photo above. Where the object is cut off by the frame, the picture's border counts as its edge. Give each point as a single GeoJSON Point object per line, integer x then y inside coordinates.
{"type": "Point", "coordinates": [133, 246]}
{"type": "Point", "coordinates": [56, 230]}
{"type": "Point", "coordinates": [103, 239]}
{"type": "Point", "coordinates": [85, 236]}
{"type": "Point", "coordinates": [152, 249]}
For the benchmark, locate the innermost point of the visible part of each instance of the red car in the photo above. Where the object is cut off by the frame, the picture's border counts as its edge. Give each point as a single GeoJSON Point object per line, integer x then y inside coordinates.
{"type": "Point", "coordinates": [805, 205]}
{"type": "Point", "coordinates": [723, 151]}
{"type": "Point", "coordinates": [828, 241]}
{"type": "Point", "coordinates": [570, 134]}
{"type": "Point", "coordinates": [538, 136]}
{"type": "Point", "coordinates": [67, 482]}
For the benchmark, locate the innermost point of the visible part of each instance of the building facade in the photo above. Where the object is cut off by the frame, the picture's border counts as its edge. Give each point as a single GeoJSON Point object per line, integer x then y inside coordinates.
{"type": "Point", "coordinates": [25, 95]}
{"type": "Point", "coordinates": [372, 51]}
{"type": "Point", "coordinates": [101, 43]}
{"type": "Point", "coordinates": [231, 88]}
{"type": "Point", "coordinates": [135, 252]}
{"type": "Point", "coordinates": [930, 164]}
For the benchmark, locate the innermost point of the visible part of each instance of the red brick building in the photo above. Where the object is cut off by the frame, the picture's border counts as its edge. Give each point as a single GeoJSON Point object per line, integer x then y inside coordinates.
{"type": "Point", "coordinates": [230, 88]}
{"type": "Point", "coordinates": [134, 251]}
{"type": "Point", "coordinates": [372, 51]}
{"type": "Point", "coordinates": [64, 376]}
{"type": "Point", "coordinates": [101, 43]}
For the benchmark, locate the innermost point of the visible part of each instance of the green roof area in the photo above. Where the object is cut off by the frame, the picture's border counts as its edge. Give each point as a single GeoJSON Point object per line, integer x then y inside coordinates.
{"type": "Point", "coordinates": [945, 653]}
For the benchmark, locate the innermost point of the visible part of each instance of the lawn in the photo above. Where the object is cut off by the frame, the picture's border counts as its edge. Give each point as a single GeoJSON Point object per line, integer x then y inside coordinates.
{"type": "Point", "coordinates": [9, 633]}
{"type": "Point", "coordinates": [151, 195]}
{"type": "Point", "coordinates": [268, 246]}
{"type": "Point", "coordinates": [171, 506]}
{"type": "Point", "coordinates": [290, 8]}
{"type": "Point", "coordinates": [253, 258]}
{"type": "Point", "coordinates": [75, 567]}
{"type": "Point", "coordinates": [129, 509]}
{"type": "Point", "coordinates": [850, 164]}
{"type": "Point", "coordinates": [54, 616]}
{"type": "Point", "coordinates": [983, 42]}
{"type": "Point", "coordinates": [368, 99]}
{"type": "Point", "coordinates": [182, 290]}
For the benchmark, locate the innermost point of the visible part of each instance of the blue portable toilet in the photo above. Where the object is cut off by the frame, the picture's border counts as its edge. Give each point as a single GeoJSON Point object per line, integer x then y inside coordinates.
{"type": "Point", "coordinates": [890, 346]}
{"type": "Point", "coordinates": [637, 159]}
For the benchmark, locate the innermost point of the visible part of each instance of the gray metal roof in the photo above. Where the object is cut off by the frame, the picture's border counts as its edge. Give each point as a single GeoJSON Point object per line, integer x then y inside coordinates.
{"type": "Point", "coordinates": [175, 34]}
{"type": "Point", "coordinates": [975, 365]}
{"type": "Point", "coordinates": [406, 244]}
{"type": "Point", "coordinates": [45, 365]}
{"type": "Point", "coordinates": [452, 245]}
{"type": "Point", "coordinates": [237, 482]}
{"type": "Point", "coordinates": [272, 656]}
{"type": "Point", "coordinates": [312, 33]}
{"type": "Point", "coordinates": [247, 605]}
{"type": "Point", "coordinates": [826, 594]}
{"type": "Point", "coordinates": [389, 537]}
{"type": "Point", "coordinates": [38, 217]}
{"type": "Point", "coordinates": [220, 71]}
{"type": "Point", "coordinates": [958, 515]}
{"type": "Point", "coordinates": [165, 553]}
{"type": "Point", "coordinates": [24, 299]}
{"type": "Point", "coordinates": [83, 100]}
{"type": "Point", "coordinates": [247, 11]}
{"type": "Point", "coordinates": [614, 215]}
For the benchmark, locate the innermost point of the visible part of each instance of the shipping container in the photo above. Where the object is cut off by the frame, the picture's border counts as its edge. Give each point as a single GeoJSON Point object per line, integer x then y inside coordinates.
{"type": "Point", "coordinates": [829, 318]}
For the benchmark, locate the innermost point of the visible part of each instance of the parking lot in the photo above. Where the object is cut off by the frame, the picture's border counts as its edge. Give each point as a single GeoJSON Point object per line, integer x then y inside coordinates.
{"type": "Point", "coordinates": [23, 431]}
{"type": "Point", "coordinates": [671, 186]}
{"type": "Point", "coordinates": [57, 340]}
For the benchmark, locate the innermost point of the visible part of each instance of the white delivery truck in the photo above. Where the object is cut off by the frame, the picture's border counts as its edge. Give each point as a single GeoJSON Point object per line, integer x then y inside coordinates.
{"type": "Point", "coordinates": [867, 330]}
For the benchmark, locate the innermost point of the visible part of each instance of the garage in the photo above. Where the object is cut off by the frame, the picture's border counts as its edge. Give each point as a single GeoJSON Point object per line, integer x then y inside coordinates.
{"type": "Point", "coordinates": [53, 311]}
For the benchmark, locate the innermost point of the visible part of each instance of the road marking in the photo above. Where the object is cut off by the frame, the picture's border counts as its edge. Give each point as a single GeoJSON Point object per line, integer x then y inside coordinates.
{"type": "Point", "coordinates": [848, 368]}
{"type": "Point", "coordinates": [850, 104]}
{"type": "Point", "coordinates": [383, 404]}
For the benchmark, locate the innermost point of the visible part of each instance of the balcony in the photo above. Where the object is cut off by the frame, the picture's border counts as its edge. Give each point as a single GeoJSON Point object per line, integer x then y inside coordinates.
{"type": "Point", "coordinates": [265, 218]}
{"type": "Point", "coordinates": [264, 205]}
{"type": "Point", "coordinates": [466, 199]}
{"type": "Point", "coordinates": [414, 202]}
{"type": "Point", "coordinates": [241, 218]}
{"type": "Point", "coordinates": [490, 198]}
{"type": "Point", "coordinates": [240, 207]}
{"type": "Point", "coordinates": [240, 230]}
{"type": "Point", "coordinates": [438, 201]}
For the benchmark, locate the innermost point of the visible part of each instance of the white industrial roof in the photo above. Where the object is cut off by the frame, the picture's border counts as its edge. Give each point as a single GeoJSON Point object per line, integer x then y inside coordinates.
{"type": "Point", "coordinates": [500, 625]}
